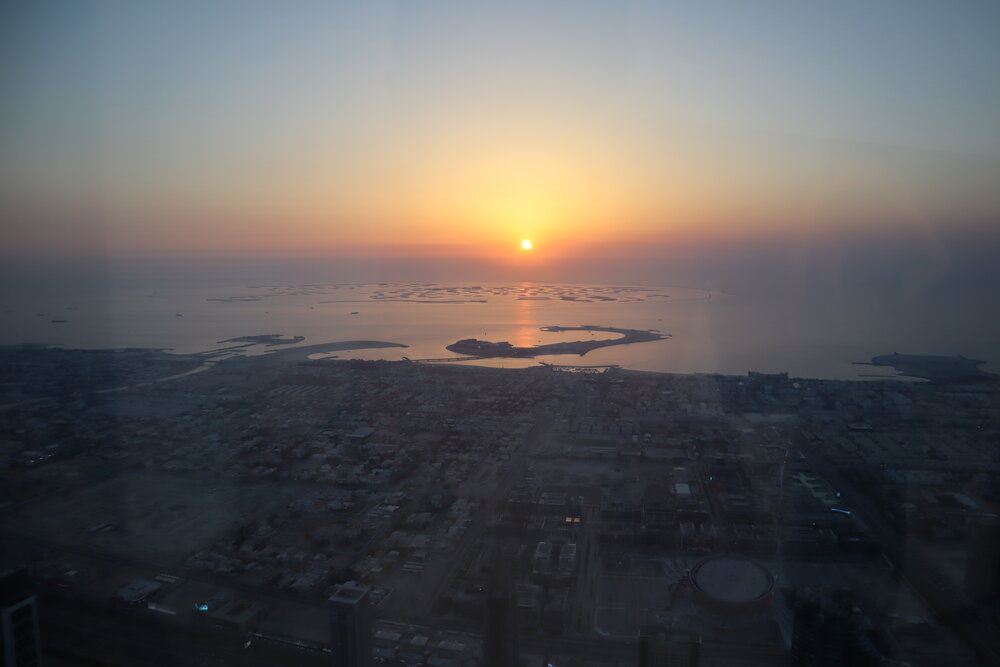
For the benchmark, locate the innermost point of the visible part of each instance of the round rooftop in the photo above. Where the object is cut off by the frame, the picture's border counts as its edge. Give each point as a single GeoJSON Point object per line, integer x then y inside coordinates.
{"type": "Point", "coordinates": [732, 581]}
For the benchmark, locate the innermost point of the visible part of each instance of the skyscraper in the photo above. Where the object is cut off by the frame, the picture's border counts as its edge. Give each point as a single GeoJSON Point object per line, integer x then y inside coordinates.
{"type": "Point", "coordinates": [20, 645]}
{"type": "Point", "coordinates": [500, 646]}
{"type": "Point", "coordinates": [982, 560]}
{"type": "Point", "coordinates": [351, 626]}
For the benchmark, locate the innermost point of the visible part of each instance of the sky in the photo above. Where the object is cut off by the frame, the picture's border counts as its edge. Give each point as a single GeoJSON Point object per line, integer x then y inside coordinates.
{"type": "Point", "coordinates": [444, 133]}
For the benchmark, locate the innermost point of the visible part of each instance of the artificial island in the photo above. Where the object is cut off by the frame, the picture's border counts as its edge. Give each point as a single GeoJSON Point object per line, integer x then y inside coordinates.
{"type": "Point", "coordinates": [485, 348]}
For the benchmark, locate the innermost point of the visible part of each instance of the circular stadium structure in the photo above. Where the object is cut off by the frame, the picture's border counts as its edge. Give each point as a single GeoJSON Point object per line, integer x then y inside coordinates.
{"type": "Point", "coordinates": [732, 585]}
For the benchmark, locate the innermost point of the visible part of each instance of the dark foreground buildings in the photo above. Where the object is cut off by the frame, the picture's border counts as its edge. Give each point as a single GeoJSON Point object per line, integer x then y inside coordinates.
{"type": "Point", "coordinates": [20, 645]}
{"type": "Point", "coordinates": [351, 626]}
{"type": "Point", "coordinates": [500, 642]}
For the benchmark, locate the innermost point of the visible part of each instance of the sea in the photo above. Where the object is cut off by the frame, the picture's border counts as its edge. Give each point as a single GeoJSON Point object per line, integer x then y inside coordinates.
{"type": "Point", "coordinates": [707, 331]}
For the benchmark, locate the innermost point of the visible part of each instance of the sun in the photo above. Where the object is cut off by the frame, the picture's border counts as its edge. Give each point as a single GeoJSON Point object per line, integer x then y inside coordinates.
{"type": "Point", "coordinates": [526, 244]}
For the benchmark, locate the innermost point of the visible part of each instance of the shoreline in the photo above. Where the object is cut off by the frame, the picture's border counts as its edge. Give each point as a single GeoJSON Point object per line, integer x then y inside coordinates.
{"type": "Point", "coordinates": [301, 354]}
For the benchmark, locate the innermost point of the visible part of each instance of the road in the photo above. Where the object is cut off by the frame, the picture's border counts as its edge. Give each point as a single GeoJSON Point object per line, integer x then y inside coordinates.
{"type": "Point", "coordinates": [583, 600]}
{"type": "Point", "coordinates": [513, 471]}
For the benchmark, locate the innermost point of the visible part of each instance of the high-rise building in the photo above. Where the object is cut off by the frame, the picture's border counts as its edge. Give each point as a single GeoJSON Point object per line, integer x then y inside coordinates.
{"type": "Point", "coordinates": [500, 644]}
{"type": "Point", "coordinates": [20, 644]}
{"type": "Point", "coordinates": [827, 632]}
{"type": "Point", "coordinates": [351, 626]}
{"type": "Point", "coordinates": [982, 560]}
{"type": "Point", "coordinates": [659, 648]}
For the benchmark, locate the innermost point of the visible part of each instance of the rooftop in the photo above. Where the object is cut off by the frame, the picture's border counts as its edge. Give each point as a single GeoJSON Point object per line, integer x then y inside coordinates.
{"type": "Point", "coordinates": [731, 579]}
{"type": "Point", "coordinates": [350, 593]}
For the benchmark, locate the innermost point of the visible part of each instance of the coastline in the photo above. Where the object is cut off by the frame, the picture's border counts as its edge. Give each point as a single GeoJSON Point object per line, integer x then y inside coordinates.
{"type": "Point", "coordinates": [290, 355]}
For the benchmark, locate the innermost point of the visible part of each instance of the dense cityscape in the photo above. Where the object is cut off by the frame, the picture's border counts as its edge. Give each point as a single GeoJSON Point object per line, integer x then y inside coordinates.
{"type": "Point", "coordinates": [218, 509]}
{"type": "Point", "coordinates": [499, 334]}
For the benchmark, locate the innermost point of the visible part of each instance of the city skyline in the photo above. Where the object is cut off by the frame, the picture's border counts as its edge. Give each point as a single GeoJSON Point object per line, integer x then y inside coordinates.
{"type": "Point", "coordinates": [549, 332]}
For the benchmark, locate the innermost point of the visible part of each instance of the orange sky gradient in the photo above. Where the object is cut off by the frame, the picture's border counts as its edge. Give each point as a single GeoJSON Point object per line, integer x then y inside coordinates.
{"type": "Point", "coordinates": [440, 131]}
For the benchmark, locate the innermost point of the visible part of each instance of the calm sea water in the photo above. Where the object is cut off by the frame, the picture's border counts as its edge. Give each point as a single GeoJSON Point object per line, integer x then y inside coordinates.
{"type": "Point", "coordinates": [710, 331]}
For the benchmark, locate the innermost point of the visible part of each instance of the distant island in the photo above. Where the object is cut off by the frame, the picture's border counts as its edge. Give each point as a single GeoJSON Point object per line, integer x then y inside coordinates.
{"type": "Point", "coordinates": [934, 368]}
{"type": "Point", "coordinates": [485, 348]}
{"type": "Point", "coordinates": [265, 339]}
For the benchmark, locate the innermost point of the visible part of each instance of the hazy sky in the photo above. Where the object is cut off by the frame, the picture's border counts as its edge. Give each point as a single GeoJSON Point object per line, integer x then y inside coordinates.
{"type": "Point", "coordinates": [254, 129]}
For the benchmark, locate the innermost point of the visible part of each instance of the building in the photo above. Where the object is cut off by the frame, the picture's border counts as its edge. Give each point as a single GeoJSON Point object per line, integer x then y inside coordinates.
{"type": "Point", "coordinates": [20, 643]}
{"type": "Point", "coordinates": [138, 591]}
{"type": "Point", "coordinates": [831, 632]}
{"type": "Point", "coordinates": [723, 611]}
{"type": "Point", "coordinates": [659, 649]}
{"type": "Point", "coordinates": [500, 639]}
{"type": "Point", "coordinates": [351, 626]}
{"type": "Point", "coordinates": [982, 561]}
